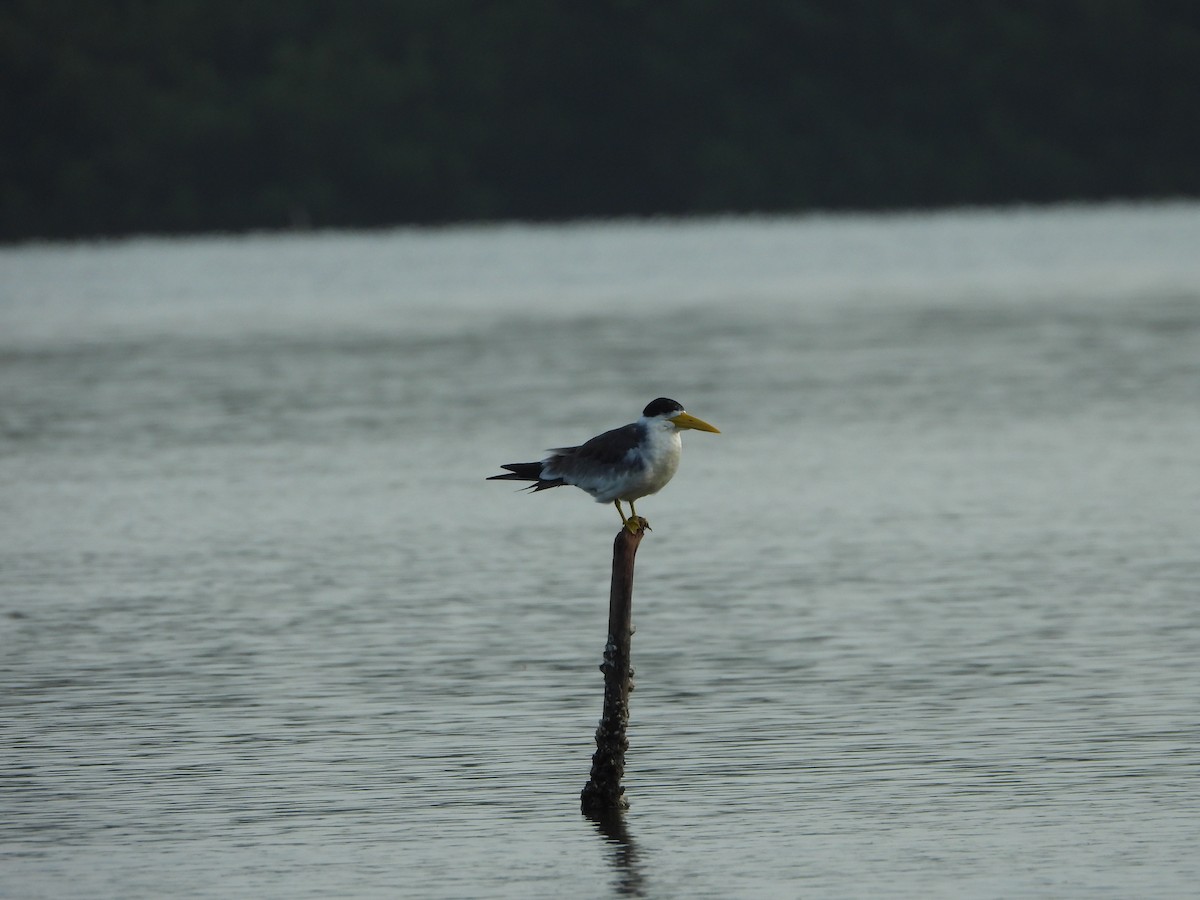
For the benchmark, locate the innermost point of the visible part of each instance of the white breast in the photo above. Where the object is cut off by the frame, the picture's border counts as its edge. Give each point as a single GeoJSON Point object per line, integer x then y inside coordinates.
{"type": "Point", "coordinates": [660, 457]}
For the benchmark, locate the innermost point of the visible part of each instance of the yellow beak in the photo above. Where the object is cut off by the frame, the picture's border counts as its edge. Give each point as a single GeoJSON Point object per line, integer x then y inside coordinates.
{"type": "Point", "coordinates": [683, 420]}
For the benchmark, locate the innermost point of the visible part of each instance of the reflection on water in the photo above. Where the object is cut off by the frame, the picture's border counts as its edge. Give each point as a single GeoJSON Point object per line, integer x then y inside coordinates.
{"type": "Point", "coordinates": [921, 620]}
{"type": "Point", "coordinates": [624, 855]}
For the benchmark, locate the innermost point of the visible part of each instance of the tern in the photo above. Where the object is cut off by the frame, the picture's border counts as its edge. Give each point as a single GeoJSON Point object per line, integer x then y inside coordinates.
{"type": "Point", "coordinates": [627, 463]}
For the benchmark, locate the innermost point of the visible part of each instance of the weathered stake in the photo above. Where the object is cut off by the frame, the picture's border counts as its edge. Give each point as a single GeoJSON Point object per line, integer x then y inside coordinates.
{"type": "Point", "coordinates": [603, 791]}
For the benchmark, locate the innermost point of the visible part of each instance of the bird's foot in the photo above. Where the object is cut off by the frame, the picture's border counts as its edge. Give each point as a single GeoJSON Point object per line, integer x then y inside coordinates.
{"type": "Point", "coordinates": [635, 524]}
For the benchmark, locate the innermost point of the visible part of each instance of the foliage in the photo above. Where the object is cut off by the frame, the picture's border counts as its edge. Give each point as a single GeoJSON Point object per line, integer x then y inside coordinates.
{"type": "Point", "coordinates": [144, 115]}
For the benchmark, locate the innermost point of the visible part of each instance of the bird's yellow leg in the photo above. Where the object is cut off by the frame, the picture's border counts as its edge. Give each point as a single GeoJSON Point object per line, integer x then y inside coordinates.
{"type": "Point", "coordinates": [634, 517]}
{"type": "Point", "coordinates": [621, 513]}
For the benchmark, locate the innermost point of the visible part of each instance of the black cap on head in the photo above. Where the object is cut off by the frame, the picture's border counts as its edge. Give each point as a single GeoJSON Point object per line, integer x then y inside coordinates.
{"type": "Point", "coordinates": [660, 406]}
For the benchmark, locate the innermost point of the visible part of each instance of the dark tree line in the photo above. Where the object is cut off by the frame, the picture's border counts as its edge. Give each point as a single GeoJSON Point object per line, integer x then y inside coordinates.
{"type": "Point", "coordinates": [190, 115]}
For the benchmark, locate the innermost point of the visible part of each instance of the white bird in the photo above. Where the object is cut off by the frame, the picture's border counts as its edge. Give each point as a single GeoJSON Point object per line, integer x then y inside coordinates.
{"type": "Point", "coordinates": [627, 463]}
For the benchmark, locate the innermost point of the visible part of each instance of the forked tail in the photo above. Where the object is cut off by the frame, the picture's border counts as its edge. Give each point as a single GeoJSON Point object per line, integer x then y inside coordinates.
{"type": "Point", "coordinates": [527, 472]}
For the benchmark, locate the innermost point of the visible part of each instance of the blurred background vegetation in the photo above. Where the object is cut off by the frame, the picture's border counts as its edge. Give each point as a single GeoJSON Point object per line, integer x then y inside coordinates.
{"type": "Point", "coordinates": [195, 115]}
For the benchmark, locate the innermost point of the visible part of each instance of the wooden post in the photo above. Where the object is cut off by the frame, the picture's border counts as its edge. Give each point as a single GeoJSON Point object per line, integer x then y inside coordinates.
{"type": "Point", "coordinates": [603, 790]}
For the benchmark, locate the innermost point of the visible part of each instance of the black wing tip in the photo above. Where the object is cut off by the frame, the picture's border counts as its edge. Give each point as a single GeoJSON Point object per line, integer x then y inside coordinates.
{"type": "Point", "coordinates": [535, 484]}
{"type": "Point", "coordinates": [527, 472]}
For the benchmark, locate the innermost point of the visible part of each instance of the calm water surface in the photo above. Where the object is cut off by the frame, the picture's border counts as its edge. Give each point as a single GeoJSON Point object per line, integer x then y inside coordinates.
{"type": "Point", "coordinates": [923, 621]}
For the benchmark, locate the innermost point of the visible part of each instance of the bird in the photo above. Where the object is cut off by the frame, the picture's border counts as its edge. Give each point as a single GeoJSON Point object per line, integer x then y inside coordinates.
{"type": "Point", "coordinates": [627, 463]}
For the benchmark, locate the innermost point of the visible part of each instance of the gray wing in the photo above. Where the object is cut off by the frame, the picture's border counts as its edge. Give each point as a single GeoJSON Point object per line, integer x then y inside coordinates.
{"type": "Point", "coordinates": [605, 453]}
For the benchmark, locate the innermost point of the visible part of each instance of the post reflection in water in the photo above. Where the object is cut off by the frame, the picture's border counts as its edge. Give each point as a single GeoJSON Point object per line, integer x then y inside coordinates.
{"type": "Point", "coordinates": [611, 825]}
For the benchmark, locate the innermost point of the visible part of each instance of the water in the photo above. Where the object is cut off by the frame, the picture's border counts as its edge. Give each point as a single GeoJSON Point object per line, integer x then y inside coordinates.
{"type": "Point", "coordinates": [922, 621]}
